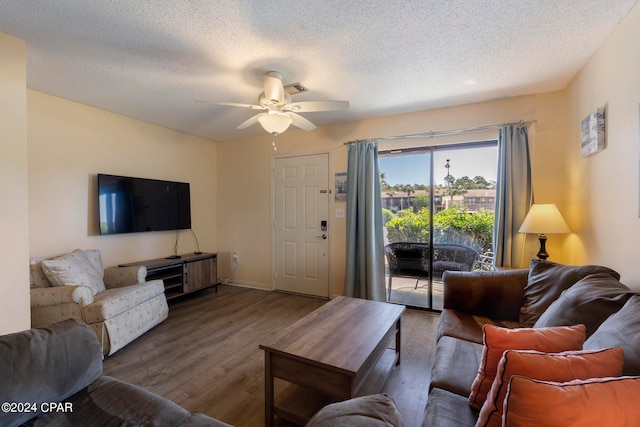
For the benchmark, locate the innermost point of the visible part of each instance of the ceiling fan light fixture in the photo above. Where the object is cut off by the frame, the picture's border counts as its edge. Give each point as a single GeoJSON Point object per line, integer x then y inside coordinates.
{"type": "Point", "coordinates": [280, 111]}
{"type": "Point", "coordinates": [275, 124]}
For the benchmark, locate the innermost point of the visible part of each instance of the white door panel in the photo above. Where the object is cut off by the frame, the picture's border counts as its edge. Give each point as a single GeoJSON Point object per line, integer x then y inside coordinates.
{"type": "Point", "coordinates": [301, 204]}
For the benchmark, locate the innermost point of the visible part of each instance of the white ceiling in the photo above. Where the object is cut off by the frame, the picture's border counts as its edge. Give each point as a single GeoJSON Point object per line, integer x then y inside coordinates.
{"type": "Point", "coordinates": [151, 59]}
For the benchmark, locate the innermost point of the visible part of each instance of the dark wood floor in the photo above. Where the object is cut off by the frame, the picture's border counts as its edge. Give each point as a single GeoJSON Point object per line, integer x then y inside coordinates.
{"type": "Point", "coordinates": [205, 356]}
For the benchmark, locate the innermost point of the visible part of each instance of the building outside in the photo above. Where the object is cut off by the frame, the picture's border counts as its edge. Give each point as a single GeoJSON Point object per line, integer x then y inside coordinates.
{"type": "Point", "coordinates": [473, 200]}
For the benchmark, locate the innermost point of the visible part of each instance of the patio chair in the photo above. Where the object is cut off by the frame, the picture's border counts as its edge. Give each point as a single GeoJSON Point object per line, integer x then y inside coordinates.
{"type": "Point", "coordinates": [411, 260]}
{"type": "Point", "coordinates": [407, 259]}
{"type": "Point", "coordinates": [453, 257]}
{"type": "Point", "coordinates": [485, 262]}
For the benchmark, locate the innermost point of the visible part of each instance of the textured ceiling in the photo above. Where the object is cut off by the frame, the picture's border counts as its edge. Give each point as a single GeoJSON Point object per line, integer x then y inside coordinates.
{"type": "Point", "coordinates": [151, 59]}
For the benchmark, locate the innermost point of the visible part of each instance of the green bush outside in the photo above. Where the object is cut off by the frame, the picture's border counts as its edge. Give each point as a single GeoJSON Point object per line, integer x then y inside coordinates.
{"type": "Point", "coordinates": [387, 214]}
{"type": "Point", "coordinates": [452, 225]}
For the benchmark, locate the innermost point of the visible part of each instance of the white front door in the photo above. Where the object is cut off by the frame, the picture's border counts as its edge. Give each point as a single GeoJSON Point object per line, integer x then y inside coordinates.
{"type": "Point", "coordinates": [301, 234]}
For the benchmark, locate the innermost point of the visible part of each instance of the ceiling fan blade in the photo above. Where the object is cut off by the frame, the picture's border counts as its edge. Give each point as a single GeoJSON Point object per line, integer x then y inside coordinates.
{"type": "Point", "coordinates": [252, 121]}
{"type": "Point", "coordinates": [273, 88]}
{"type": "Point", "coordinates": [301, 122]}
{"type": "Point", "coordinates": [234, 104]}
{"type": "Point", "coordinates": [311, 106]}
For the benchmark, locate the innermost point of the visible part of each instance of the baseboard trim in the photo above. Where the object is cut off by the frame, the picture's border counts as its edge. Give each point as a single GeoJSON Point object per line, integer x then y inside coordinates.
{"type": "Point", "coordinates": [250, 285]}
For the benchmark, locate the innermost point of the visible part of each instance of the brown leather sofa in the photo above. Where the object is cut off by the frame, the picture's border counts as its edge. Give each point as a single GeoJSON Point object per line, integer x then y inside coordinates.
{"type": "Point", "coordinates": [547, 294]}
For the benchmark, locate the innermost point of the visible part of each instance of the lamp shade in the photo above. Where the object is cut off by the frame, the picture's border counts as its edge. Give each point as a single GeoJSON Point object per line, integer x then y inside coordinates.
{"type": "Point", "coordinates": [275, 123]}
{"type": "Point", "coordinates": [544, 219]}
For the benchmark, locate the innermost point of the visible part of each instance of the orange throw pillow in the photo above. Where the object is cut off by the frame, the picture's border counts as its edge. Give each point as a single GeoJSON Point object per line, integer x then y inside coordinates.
{"type": "Point", "coordinates": [597, 402]}
{"type": "Point", "coordinates": [497, 340]}
{"type": "Point", "coordinates": [560, 367]}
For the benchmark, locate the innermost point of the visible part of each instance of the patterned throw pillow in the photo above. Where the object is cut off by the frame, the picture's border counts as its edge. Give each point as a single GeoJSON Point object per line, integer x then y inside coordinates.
{"type": "Point", "coordinates": [74, 269]}
{"type": "Point", "coordinates": [497, 340]}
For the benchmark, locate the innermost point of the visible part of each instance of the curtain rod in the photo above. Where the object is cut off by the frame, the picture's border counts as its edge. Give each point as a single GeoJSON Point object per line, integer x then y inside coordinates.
{"type": "Point", "coordinates": [432, 134]}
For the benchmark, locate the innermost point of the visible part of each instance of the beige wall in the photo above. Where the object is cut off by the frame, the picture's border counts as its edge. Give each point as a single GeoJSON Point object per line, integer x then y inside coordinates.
{"type": "Point", "coordinates": [69, 143]}
{"type": "Point", "coordinates": [245, 178]}
{"type": "Point", "coordinates": [602, 190]}
{"type": "Point", "coordinates": [14, 249]}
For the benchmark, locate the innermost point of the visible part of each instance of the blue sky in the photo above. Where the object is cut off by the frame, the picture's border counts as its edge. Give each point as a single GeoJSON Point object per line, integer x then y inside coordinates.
{"type": "Point", "coordinates": [414, 169]}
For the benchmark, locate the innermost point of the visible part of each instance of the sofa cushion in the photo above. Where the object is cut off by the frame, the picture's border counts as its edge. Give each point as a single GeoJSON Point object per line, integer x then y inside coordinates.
{"type": "Point", "coordinates": [59, 360]}
{"type": "Point", "coordinates": [113, 302]}
{"type": "Point", "coordinates": [546, 282]}
{"type": "Point", "coordinates": [560, 367]}
{"type": "Point", "coordinates": [74, 269]}
{"type": "Point", "coordinates": [589, 302]}
{"type": "Point", "coordinates": [446, 409]}
{"type": "Point", "coordinates": [608, 402]}
{"type": "Point", "coordinates": [458, 324]}
{"type": "Point", "coordinates": [616, 330]}
{"type": "Point", "coordinates": [456, 365]}
{"type": "Point", "coordinates": [497, 340]}
{"type": "Point", "coordinates": [373, 410]}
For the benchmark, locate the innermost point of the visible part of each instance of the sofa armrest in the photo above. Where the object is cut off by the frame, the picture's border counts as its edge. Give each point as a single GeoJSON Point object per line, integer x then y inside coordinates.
{"type": "Point", "coordinates": [494, 294]}
{"type": "Point", "coordinates": [43, 297]}
{"type": "Point", "coordinates": [117, 277]}
{"type": "Point", "coordinates": [47, 365]}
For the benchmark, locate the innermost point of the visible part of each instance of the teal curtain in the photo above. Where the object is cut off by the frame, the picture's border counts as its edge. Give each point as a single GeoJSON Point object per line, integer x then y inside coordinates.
{"type": "Point", "coordinates": [364, 275]}
{"type": "Point", "coordinates": [514, 194]}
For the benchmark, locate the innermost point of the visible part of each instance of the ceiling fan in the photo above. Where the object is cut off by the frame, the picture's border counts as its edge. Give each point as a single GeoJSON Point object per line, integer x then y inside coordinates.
{"type": "Point", "coordinates": [280, 111]}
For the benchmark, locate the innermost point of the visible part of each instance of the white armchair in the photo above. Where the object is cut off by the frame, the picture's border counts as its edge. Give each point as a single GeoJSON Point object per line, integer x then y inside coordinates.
{"type": "Point", "coordinates": [116, 302]}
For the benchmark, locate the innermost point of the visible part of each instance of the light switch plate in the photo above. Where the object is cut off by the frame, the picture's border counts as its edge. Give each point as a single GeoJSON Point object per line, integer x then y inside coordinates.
{"type": "Point", "coordinates": [339, 213]}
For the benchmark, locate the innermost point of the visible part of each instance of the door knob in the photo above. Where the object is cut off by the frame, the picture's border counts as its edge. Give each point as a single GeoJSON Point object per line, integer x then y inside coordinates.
{"type": "Point", "coordinates": [324, 236]}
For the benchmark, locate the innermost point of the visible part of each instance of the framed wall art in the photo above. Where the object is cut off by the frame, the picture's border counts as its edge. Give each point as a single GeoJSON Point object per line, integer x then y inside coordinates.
{"type": "Point", "coordinates": [593, 135]}
{"type": "Point", "coordinates": [341, 187]}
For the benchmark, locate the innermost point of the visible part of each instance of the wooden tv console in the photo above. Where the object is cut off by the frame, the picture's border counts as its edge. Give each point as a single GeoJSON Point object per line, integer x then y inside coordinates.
{"type": "Point", "coordinates": [183, 275]}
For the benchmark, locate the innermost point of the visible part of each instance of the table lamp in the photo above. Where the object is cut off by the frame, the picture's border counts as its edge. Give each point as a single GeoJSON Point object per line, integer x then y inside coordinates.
{"type": "Point", "coordinates": [544, 219]}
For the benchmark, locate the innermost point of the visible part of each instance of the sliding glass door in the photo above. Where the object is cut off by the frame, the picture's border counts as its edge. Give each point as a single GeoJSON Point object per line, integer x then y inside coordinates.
{"type": "Point", "coordinates": [438, 211]}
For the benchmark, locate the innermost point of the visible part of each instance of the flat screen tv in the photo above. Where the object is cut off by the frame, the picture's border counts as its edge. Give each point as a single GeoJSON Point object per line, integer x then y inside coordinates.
{"type": "Point", "coordinates": [131, 205]}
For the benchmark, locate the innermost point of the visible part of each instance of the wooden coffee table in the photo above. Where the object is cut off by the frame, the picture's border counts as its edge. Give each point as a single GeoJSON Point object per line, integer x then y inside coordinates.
{"type": "Point", "coordinates": [337, 352]}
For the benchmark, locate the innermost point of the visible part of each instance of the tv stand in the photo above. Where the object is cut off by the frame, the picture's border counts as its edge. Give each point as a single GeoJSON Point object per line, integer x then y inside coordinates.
{"type": "Point", "coordinates": [182, 274]}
